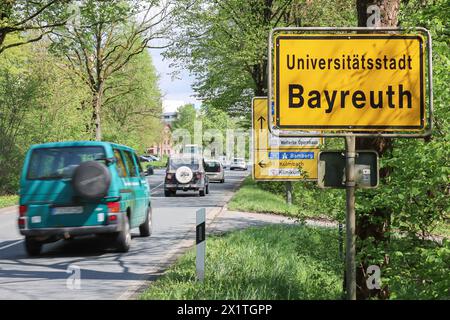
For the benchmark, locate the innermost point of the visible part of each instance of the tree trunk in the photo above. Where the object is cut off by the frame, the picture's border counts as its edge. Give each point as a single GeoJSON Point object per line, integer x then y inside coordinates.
{"type": "Point", "coordinates": [376, 223]}
{"type": "Point", "coordinates": [96, 113]}
{"type": "Point", "coordinates": [4, 8]}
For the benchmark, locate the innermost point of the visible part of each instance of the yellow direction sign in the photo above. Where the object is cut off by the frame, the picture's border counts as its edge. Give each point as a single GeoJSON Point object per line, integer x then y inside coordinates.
{"type": "Point", "coordinates": [351, 82]}
{"type": "Point", "coordinates": [278, 158]}
{"type": "Point", "coordinates": [264, 139]}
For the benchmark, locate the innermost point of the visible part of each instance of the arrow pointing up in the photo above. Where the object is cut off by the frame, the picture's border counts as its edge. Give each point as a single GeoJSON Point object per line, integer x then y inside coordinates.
{"type": "Point", "coordinates": [261, 120]}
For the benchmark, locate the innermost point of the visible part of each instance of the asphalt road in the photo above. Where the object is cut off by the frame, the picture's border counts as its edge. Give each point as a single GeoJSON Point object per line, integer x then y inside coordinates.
{"type": "Point", "coordinates": [105, 274]}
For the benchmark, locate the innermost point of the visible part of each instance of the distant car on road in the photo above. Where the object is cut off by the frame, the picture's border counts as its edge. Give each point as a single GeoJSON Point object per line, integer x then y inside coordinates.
{"type": "Point", "coordinates": [69, 189]}
{"type": "Point", "coordinates": [214, 170]}
{"type": "Point", "coordinates": [186, 172]}
{"type": "Point", "coordinates": [238, 164]}
{"type": "Point", "coordinates": [148, 158]}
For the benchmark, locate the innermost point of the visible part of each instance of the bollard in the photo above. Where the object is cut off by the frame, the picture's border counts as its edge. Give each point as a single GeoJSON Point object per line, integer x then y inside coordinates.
{"type": "Point", "coordinates": [200, 243]}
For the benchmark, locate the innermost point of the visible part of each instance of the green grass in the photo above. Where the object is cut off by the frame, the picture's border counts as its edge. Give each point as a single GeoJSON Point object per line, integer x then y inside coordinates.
{"type": "Point", "coordinates": [250, 198]}
{"type": "Point", "coordinates": [274, 262]}
{"type": "Point", "coordinates": [297, 262]}
{"type": "Point", "coordinates": [443, 229]}
{"type": "Point", "coordinates": [158, 164]}
{"type": "Point", "coordinates": [8, 201]}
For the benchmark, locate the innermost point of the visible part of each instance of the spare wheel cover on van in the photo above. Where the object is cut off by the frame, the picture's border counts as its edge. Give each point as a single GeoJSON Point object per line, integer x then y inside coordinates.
{"type": "Point", "coordinates": [184, 174]}
{"type": "Point", "coordinates": [91, 180]}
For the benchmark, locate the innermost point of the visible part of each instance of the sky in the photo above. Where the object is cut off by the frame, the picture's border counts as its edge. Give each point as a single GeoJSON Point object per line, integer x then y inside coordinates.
{"type": "Point", "coordinates": [176, 92]}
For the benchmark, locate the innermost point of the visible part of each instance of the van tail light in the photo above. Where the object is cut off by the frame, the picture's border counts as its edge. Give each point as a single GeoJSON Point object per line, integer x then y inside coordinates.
{"type": "Point", "coordinates": [113, 210]}
{"type": "Point", "coordinates": [22, 216]}
{"type": "Point", "coordinates": [113, 207]}
{"type": "Point", "coordinates": [112, 218]}
{"type": "Point", "coordinates": [22, 211]}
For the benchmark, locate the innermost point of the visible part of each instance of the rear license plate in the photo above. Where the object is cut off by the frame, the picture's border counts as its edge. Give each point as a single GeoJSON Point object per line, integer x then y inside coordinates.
{"type": "Point", "coordinates": [67, 210]}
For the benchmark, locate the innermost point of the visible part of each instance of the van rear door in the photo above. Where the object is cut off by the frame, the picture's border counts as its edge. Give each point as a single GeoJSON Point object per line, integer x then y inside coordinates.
{"type": "Point", "coordinates": [46, 189]}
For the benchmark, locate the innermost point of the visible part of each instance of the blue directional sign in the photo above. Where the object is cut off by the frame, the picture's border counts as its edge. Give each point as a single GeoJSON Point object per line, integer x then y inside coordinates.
{"type": "Point", "coordinates": [291, 155]}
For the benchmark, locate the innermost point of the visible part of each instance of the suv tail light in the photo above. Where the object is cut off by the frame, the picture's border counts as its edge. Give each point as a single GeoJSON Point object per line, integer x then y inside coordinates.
{"type": "Point", "coordinates": [169, 176]}
{"type": "Point", "coordinates": [22, 216]}
{"type": "Point", "coordinates": [198, 175]}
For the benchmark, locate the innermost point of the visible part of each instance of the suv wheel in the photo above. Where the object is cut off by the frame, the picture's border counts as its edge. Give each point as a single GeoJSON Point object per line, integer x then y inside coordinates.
{"type": "Point", "coordinates": [32, 247]}
{"type": "Point", "coordinates": [207, 188]}
{"type": "Point", "coordinates": [145, 229]}
{"type": "Point", "coordinates": [123, 240]}
{"type": "Point", "coordinates": [202, 192]}
{"type": "Point", "coordinates": [167, 193]}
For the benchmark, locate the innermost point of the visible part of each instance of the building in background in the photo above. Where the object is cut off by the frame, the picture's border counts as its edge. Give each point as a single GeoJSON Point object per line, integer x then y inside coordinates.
{"type": "Point", "coordinates": [165, 146]}
{"type": "Point", "coordinates": [169, 117]}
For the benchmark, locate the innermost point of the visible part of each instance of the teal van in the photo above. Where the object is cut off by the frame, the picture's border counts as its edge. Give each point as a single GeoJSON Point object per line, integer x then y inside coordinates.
{"type": "Point", "coordinates": [69, 189]}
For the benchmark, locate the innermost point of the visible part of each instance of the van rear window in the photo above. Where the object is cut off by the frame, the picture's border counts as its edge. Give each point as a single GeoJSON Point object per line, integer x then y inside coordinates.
{"type": "Point", "coordinates": [60, 162]}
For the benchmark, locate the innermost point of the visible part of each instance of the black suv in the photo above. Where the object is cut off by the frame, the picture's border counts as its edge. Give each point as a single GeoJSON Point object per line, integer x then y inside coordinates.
{"type": "Point", "coordinates": [186, 172]}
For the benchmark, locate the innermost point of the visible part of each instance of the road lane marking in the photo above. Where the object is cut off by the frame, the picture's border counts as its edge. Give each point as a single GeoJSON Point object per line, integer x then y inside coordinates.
{"type": "Point", "coordinates": [10, 245]}
{"type": "Point", "coordinates": [151, 192]}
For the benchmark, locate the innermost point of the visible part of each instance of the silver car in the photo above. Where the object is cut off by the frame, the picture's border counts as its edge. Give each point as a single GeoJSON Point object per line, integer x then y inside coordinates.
{"type": "Point", "coordinates": [238, 163]}
{"type": "Point", "coordinates": [214, 170]}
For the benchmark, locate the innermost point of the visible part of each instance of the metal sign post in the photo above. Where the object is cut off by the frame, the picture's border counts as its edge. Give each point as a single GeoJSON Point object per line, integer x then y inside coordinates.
{"type": "Point", "coordinates": [288, 185]}
{"type": "Point", "coordinates": [350, 260]}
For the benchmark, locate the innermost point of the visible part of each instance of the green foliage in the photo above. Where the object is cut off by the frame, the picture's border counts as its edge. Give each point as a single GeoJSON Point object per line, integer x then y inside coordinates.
{"type": "Point", "coordinates": [99, 44]}
{"type": "Point", "coordinates": [273, 262]}
{"type": "Point", "coordinates": [8, 200]}
{"type": "Point", "coordinates": [224, 43]}
{"type": "Point", "coordinates": [38, 102]}
{"type": "Point", "coordinates": [186, 117]}
{"type": "Point", "coordinates": [133, 105]}
{"type": "Point", "coordinates": [417, 191]}
{"type": "Point", "coordinates": [213, 123]}
{"type": "Point", "coordinates": [418, 270]}
{"type": "Point", "coordinates": [36, 17]}
{"type": "Point", "coordinates": [42, 100]}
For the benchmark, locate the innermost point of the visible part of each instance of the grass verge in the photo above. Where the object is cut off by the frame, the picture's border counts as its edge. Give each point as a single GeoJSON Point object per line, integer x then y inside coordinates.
{"type": "Point", "coordinates": [274, 262]}
{"type": "Point", "coordinates": [8, 201]}
{"type": "Point", "coordinates": [297, 262]}
{"type": "Point", "coordinates": [250, 198]}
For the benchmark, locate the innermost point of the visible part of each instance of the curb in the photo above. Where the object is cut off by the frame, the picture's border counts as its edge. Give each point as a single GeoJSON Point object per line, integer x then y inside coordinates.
{"type": "Point", "coordinates": [9, 209]}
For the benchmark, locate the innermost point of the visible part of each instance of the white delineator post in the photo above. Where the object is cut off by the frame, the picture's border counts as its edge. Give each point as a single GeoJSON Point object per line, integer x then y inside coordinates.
{"type": "Point", "coordinates": [200, 238]}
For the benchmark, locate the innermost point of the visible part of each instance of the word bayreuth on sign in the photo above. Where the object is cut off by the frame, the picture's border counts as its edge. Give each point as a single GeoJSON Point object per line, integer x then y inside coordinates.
{"type": "Point", "coordinates": [278, 158]}
{"type": "Point", "coordinates": [349, 82]}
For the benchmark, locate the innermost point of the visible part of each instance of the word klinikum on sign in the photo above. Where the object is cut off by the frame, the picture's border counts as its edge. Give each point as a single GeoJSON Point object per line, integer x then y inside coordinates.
{"type": "Point", "coordinates": [349, 82]}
